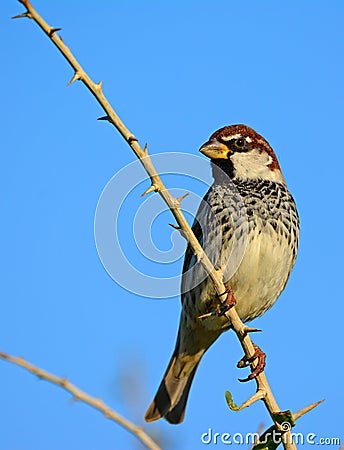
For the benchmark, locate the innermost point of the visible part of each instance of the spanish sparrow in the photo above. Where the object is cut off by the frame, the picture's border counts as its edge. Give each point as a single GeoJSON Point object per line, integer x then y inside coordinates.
{"type": "Point", "coordinates": [248, 226]}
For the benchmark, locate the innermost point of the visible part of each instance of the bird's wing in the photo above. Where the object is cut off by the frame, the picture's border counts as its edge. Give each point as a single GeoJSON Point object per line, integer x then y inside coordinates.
{"type": "Point", "coordinates": [190, 258]}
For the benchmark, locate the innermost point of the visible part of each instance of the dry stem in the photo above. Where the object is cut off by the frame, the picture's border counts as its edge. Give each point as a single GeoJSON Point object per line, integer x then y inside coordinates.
{"type": "Point", "coordinates": [82, 396]}
{"type": "Point", "coordinates": [173, 203]}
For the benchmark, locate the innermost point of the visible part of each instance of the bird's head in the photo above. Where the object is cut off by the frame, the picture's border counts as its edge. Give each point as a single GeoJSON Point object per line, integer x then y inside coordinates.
{"type": "Point", "coordinates": [241, 152]}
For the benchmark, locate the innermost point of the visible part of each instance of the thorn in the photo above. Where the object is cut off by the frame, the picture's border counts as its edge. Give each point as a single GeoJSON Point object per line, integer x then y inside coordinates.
{"type": "Point", "coordinates": [179, 199]}
{"type": "Point", "coordinates": [20, 16]}
{"type": "Point", "coordinates": [305, 410]}
{"type": "Point", "coordinates": [107, 414]}
{"type": "Point", "coordinates": [145, 150]}
{"type": "Point", "coordinates": [75, 77]}
{"type": "Point", "coordinates": [105, 118]}
{"type": "Point", "coordinates": [99, 85]}
{"type": "Point", "coordinates": [176, 227]}
{"type": "Point", "coordinates": [60, 38]}
{"type": "Point", "coordinates": [53, 30]}
{"type": "Point", "coordinates": [152, 188]}
{"type": "Point", "coordinates": [199, 257]}
{"type": "Point", "coordinates": [223, 307]}
{"type": "Point", "coordinates": [245, 330]}
{"type": "Point", "coordinates": [204, 316]}
{"type": "Point", "coordinates": [132, 139]}
{"type": "Point", "coordinates": [63, 382]}
{"type": "Point", "coordinates": [183, 196]}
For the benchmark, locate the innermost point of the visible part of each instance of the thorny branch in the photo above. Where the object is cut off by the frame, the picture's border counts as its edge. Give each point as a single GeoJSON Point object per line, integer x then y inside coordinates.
{"type": "Point", "coordinates": [242, 331]}
{"type": "Point", "coordinates": [79, 395]}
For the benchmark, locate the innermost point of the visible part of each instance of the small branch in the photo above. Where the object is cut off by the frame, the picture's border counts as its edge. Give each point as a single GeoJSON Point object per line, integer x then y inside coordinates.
{"type": "Point", "coordinates": [82, 396]}
{"type": "Point", "coordinates": [259, 395]}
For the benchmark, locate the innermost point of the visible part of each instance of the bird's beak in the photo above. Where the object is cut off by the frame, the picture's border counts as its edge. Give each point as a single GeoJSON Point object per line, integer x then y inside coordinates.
{"type": "Point", "coordinates": [215, 150]}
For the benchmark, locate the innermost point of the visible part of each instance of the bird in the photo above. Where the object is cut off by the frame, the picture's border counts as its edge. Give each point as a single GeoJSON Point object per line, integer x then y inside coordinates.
{"type": "Point", "coordinates": [248, 226]}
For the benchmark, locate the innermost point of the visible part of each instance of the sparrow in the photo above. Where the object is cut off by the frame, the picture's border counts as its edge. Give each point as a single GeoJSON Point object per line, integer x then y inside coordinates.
{"type": "Point", "coordinates": [248, 226]}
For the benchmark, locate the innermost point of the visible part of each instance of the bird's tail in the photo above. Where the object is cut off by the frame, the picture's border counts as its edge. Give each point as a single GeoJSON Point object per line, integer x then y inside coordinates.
{"type": "Point", "coordinates": [170, 400]}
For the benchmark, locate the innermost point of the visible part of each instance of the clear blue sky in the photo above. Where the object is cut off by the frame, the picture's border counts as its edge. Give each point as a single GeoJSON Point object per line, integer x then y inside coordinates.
{"type": "Point", "coordinates": [174, 73]}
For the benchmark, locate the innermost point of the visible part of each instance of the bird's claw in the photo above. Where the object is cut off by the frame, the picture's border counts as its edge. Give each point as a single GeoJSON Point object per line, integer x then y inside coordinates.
{"type": "Point", "coordinates": [245, 361]}
{"type": "Point", "coordinates": [224, 306]}
{"type": "Point", "coordinates": [228, 303]}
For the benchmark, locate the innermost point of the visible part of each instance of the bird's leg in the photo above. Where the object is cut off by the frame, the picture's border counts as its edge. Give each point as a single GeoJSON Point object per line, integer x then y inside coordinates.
{"type": "Point", "coordinates": [245, 361]}
{"type": "Point", "coordinates": [228, 303]}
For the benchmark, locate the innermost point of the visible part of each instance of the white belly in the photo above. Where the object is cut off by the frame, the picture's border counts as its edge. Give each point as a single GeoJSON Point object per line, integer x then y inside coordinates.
{"type": "Point", "coordinates": [262, 274]}
{"type": "Point", "coordinates": [259, 279]}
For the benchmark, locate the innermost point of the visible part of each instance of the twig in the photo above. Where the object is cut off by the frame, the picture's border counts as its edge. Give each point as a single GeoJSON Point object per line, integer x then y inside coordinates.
{"type": "Point", "coordinates": [82, 396]}
{"type": "Point", "coordinates": [157, 186]}
{"type": "Point", "coordinates": [258, 395]}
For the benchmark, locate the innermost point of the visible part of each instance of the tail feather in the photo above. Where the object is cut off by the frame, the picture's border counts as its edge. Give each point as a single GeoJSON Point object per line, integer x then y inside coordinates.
{"type": "Point", "coordinates": [170, 400]}
{"type": "Point", "coordinates": [176, 415]}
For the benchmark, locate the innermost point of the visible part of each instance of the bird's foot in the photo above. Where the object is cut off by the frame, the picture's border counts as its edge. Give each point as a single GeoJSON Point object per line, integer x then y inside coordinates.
{"type": "Point", "coordinates": [259, 368]}
{"type": "Point", "coordinates": [228, 303]}
{"type": "Point", "coordinates": [224, 306]}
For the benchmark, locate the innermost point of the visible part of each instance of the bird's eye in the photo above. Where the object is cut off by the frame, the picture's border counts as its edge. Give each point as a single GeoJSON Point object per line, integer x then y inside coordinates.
{"type": "Point", "coordinates": [240, 142]}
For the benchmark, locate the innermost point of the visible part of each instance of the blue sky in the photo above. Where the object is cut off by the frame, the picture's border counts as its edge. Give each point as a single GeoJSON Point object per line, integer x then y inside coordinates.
{"type": "Point", "coordinates": [174, 72]}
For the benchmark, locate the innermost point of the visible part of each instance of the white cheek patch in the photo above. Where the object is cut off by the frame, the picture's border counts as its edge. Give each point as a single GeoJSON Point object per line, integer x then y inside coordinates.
{"type": "Point", "coordinates": [248, 139]}
{"type": "Point", "coordinates": [253, 165]}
